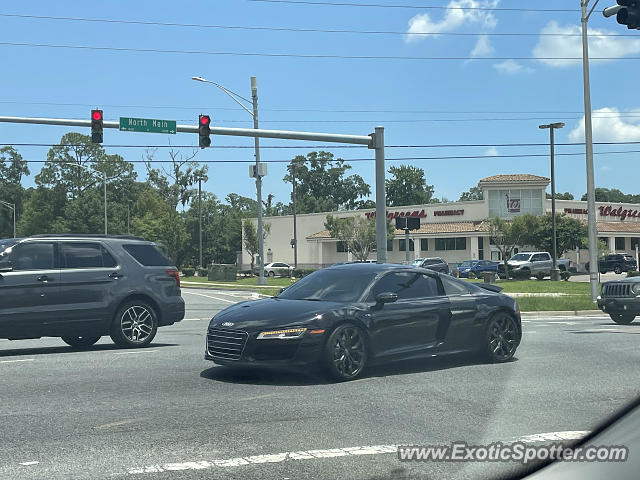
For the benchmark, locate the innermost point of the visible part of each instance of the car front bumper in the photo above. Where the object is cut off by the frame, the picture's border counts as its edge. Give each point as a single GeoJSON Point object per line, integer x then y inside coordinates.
{"type": "Point", "coordinates": [619, 304]}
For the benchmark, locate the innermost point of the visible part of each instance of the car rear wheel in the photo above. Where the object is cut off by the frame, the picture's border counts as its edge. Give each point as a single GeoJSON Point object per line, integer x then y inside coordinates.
{"type": "Point", "coordinates": [622, 318]}
{"type": "Point", "coordinates": [80, 341]}
{"type": "Point", "coordinates": [617, 269]}
{"type": "Point", "coordinates": [135, 325]}
{"type": "Point", "coordinates": [271, 274]}
{"type": "Point", "coordinates": [346, 352]}
{"type": "Point", "coordinates": [502, 338]}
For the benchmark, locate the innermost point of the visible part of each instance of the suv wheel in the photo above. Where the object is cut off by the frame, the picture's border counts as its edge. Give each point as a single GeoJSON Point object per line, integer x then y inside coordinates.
{"type": "Point", "coordinates": [134, 325]}
{"type": "Point", "coordinates": [80, 342]}
{"type": "Point", "coordinates": [617, 269]}
{"type": "Point", "coordinates": [622, 318]}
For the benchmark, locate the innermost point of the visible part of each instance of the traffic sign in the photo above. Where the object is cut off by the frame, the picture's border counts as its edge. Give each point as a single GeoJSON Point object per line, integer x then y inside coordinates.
{"type": "Point", "coordinates": [148, 125]}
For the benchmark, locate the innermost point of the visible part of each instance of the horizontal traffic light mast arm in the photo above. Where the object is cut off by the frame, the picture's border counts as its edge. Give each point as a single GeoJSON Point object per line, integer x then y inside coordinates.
{"type": "Point", "coordinates": [237, 132]}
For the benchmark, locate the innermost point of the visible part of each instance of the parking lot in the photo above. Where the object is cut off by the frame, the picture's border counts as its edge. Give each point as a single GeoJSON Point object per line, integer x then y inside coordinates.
{"type": "Point", "coordinates": [165, 412]}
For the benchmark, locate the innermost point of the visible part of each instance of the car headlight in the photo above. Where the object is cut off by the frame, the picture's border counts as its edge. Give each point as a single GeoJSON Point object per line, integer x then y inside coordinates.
{"type": "Point", "coordinates": [285, 333]}
{"type": "Point", "coordinates": [636, 288]}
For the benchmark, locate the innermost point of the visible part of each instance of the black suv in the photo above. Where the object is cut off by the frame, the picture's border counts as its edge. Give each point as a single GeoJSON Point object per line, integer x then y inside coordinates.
{"type": "Point", "coordinates": [621, 299]}
{"type": "Point", "coordinates": [81, 287]}
{"type": "Point", "coordinates": [435, 263]}
{"type": "Point", "coordinates": [616, 262]}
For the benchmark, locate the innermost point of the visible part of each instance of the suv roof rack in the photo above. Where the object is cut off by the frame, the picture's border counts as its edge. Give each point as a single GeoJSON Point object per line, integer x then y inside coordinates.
{"type": "Point", "coordinates": [86, 235]}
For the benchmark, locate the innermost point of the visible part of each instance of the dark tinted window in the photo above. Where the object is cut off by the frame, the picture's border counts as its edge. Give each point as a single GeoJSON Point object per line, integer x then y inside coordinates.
{"type": "Point", "coordinates": [85, 255]}
{"type": "Point", "coordinates": [406, 285]}
{"type": "Point", "coordinates": [453, 286]}
{"type": "Point", "coordinates": [33, 256]}
{"type": "Point", "coordinates": [148, 255]}
{"type": "Point", "coordinates": [338, 285]}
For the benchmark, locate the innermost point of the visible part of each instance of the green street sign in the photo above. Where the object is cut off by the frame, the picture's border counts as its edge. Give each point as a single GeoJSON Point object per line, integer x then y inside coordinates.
{"type": "Point", "coordinates": [148, 125]}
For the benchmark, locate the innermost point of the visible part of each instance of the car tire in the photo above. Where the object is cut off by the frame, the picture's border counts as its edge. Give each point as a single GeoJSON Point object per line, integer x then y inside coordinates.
{"type": "Point", "coordinates": [80, 341]}
{"type": "Point", "coordinates": [501, 338]}
{"type": "Point", "coordinates": [271, 274]}
{"type": "Point", "coordinates": [540, 276]}
{"type": "Point", "coordinates": [617, 269]}
{"type": "Point", "coordinates": [134, 325]}
{"type": "Point", "coordinates": [622, 318]}
{"type": "Point", "coordinates": [345, 352]}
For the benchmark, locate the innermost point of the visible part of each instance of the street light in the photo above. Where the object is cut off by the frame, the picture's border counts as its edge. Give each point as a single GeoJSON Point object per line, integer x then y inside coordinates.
{"type": "Point", "coordinates": [555, 273]}
{"type": "Point", "coordinates": [104, 183]}
{"type": "Point", "coordinates": [12, 206]}
{"type": "Point", "coordinates": [254, 101]}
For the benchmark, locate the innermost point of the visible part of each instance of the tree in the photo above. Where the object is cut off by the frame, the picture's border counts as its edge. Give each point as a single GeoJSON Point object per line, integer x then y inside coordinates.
{"type": "Point", "coordinates": [506, 235]}
{"type": "Point", "coordinates": [12, 168]}
{"type": "Point", "coordinates": [474, 193]}
{"type": "Point", "coordinates": [613, 195]}
{"type": "Point", "coordinates": [571, 233]}
{"type": "Point", "coordinates": [357, 233]}
{"type": "Point", "coordinates": [322, 184]}
{"type": "Point", "coordinates": [407, 187]}
{"type": "Point", "coordinates": [245, 206]}
{"type": "Point", "coordinates": [561, 196]}
{"type": "Point", "coordinates": [250, 237]}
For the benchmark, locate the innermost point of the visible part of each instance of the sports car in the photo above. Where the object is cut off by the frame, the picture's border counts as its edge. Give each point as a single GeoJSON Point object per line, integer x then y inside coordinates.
{"type": "Point", "coordinates": [347, 317]}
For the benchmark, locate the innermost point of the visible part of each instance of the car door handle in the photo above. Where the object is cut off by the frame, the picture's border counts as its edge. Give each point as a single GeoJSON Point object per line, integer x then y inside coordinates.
{"type": "Point", "coordinates": [43, 278]}
{"type": "Point", "coordinates": [115, 275]}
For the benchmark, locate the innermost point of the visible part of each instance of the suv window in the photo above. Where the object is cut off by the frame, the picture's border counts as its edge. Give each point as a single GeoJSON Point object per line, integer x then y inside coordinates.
{"type": "Point", "coordinates": [85, 255]}
{"type": "Point", "coordinates": [148, 255]}
{"type": "Point", "coordinates": [540, 257]}
{"type": "Point", "coordinates": [431, 261]}
{"type": "Point", "coordinates": [453, 286]}
{"type": "Point", "coordinates": [407, 285]}
{"type": "Point", "coordinates": [33, 256]}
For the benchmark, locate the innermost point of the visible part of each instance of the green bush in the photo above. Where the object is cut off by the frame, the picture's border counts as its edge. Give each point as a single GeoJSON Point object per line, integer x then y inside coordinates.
{"type": "Point", "coordinates": [203, 272]}
{"type": "Point", "coordinates": [573, 269]}
{"type": "Point", "coordinates": [188, 271]}
{"type": "Point", "coordinates": [633, 273]}
{"type": "Point", "coordinates": [520, 274]}
{"type": "Point", "coordinates": [565, 276]}
{"type": "Point", "coordinates": [301, 272]}
{"type": "Point", "coordinates": [472, 275]}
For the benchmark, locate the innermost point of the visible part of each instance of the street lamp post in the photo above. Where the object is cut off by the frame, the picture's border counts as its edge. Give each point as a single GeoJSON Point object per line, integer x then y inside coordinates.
{"type": "Point", "coordinates": [555, 273]}
{"type": "Point", "coordinates": [12, 206]}
{"type": "Point", "coordinates": [104, 185]}
{"type": "Point", "coordinates": [254, 102]}
{"type": "Point", "coordinates": [200, 266]}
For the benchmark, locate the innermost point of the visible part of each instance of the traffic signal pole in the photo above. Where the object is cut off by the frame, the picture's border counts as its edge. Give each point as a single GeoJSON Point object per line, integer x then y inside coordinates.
{"type": "Point", "coordinates": [374, 141]}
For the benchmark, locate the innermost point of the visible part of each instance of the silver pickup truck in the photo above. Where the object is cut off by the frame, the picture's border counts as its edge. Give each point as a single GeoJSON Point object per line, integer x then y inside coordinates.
{"type": "Point", "coordinates": [538, 264]}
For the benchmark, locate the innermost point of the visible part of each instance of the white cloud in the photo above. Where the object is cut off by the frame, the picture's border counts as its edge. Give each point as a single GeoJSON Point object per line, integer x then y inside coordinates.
{"type": "Point", "coordinates": [511, 67]}
{"type": "Point", "coordinates": [608, 126]}
{"type": "Point", "coordinates": [491, 151]}
{"type": "Point", "coordinates": [604, 168]}
{"type": "Point", "coordinates": [483, 47]}
{"type": "Point", "coordinates": [452, 19]}
{"type": "Point", "coordinates": [562, 47]}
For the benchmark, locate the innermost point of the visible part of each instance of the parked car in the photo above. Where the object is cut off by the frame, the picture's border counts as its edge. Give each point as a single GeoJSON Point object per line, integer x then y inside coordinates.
{"type": "Point", "coordinates": [536, 264]}
{"type": "Point", "coordinates": [621, 299]}
{"type": "Point", "coordinates": [616, 262]}
{"type": "Point", "coordinates": [276, 268]}
{"type": "Point", "coordinates": [476, 267]}
{"type": "Point", "coordinates": [347, 317]}
{"type": "Point", "coordinates": [434, 263]}
{"type": "Point", "coordinates": [81, 287]}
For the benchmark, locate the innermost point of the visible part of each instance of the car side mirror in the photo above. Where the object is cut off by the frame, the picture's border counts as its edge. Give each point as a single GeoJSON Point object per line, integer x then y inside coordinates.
{"type": "Point", "coordinates": [6, 266]}
{"type": "Point", "coordinates": [386, 297]}
{"type": "Point", "coordinates": [283, 289]}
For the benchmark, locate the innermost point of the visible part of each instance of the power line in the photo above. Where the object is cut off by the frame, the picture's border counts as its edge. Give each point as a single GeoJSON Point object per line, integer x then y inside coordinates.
{"type": "Point", "coordinates": [298, 29]}
{"type": "Point", "coordinates": [419, 7]}
{"type": "Point", "coordinates": [291, 55]}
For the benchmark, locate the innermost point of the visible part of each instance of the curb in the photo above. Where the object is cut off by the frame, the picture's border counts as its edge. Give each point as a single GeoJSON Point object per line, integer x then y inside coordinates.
{"type": "Point", "coordinates": [563, 313]}
{"type": "Point", "coordinates": [223, 290]}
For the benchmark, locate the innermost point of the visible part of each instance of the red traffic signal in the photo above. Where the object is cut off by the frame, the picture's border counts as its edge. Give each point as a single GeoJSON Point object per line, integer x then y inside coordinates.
{"type": "Point", "coordinates": [205, 120]}
{"type": "Point", "coordinates": [96, 126]}
{"type": "Point", "coordinates": [204, 123]}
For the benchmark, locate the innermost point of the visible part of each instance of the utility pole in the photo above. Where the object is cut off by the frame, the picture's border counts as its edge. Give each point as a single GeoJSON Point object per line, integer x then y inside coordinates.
{"type": "Point", "coordinates": [588, 138]}
{"type": "Point", "coordinates": [104, 185]}
{"type": "Point", "coordinates": [555, 273]}
{"type": "Point", "coordinates": [128, 218]}
{"type": "Point", "coordinates": [406, 243]}
{"type": "Point", "coordinates": [254, 98]}
{"type": "Point", "coordinates": [295, 228]}
{"type": "Point", "coordinates": [381, 197]}
{"type": "Point", "coordinates": [200, 220]}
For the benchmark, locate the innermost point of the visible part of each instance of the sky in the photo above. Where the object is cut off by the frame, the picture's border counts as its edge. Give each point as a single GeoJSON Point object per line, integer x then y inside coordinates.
{"type": "Point", "coordinates": [439, 76]}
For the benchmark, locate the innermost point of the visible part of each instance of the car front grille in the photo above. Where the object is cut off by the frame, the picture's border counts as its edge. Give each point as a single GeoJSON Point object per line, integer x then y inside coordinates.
{"type": "Point", "coordinates": [616, 290]}
{"type": "Point", "coordinates": [226, 344]}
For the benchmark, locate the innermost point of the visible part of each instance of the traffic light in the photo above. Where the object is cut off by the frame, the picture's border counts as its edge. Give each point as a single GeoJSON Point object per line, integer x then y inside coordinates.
{"type": "Point", "coordinates": [96, 126]}
{"type": "Point", "coordinates": [204, 130]}
{"type": "Point", "coordinates": [627, 13]}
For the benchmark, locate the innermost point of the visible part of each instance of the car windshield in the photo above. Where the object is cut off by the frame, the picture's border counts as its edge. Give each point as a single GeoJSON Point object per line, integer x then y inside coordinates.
{"type": "Point", "coordinates": [4, 244]}
{"type": "Point", "coordinates": [417, 262]}
{"type": "Point", "coordinates": [520, 257]}
{"type": "Point", "coordinates": [468, 264]}
{"type": "Point", "coordinates": [339, 285]}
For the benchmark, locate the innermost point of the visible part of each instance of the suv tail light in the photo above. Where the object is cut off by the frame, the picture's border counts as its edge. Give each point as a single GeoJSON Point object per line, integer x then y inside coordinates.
{"type": "Point", "coordinates": [175, 275]}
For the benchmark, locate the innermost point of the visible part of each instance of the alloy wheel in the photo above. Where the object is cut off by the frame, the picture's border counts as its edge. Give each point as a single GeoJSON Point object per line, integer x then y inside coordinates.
{"type": "Point", "coordinates": [349, 352]}
{"type": "Point", "coordinates": [136, 324]}
{"type": "Point", "coordinates": [503, 337]}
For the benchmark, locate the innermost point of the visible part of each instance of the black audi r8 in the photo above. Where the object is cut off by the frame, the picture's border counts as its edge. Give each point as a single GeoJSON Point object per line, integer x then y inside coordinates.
{"type": "Point", "coordinates": [346, 317]}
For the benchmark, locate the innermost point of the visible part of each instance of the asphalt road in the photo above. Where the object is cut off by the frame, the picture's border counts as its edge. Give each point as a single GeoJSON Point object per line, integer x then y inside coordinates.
{"type": "Point", "coordinates": [164, 412]}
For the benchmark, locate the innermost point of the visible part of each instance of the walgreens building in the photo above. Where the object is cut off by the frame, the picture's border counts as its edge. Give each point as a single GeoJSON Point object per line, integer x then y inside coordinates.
{"type": "Point", "coordinates": [455, 231]}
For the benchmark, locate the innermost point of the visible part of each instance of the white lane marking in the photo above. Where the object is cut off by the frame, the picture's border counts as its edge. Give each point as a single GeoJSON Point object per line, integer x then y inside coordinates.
{"type": "Point", "coordinates": [116, 424]}
{"type": "Point", "coordinates": [553, 436]}
{"type": "Point", "coordinates": [16, 361]}
{"type": "Point", "coordinates": [327, 453]}
{"type": "Point", "coordinates": [209, 296]}
{"type": "Point", "coordinates": [195, 319]}
{"type": "Point", "coordinates": [135, 353]}
{"type": "Point", "coordinates": [26, 464]}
